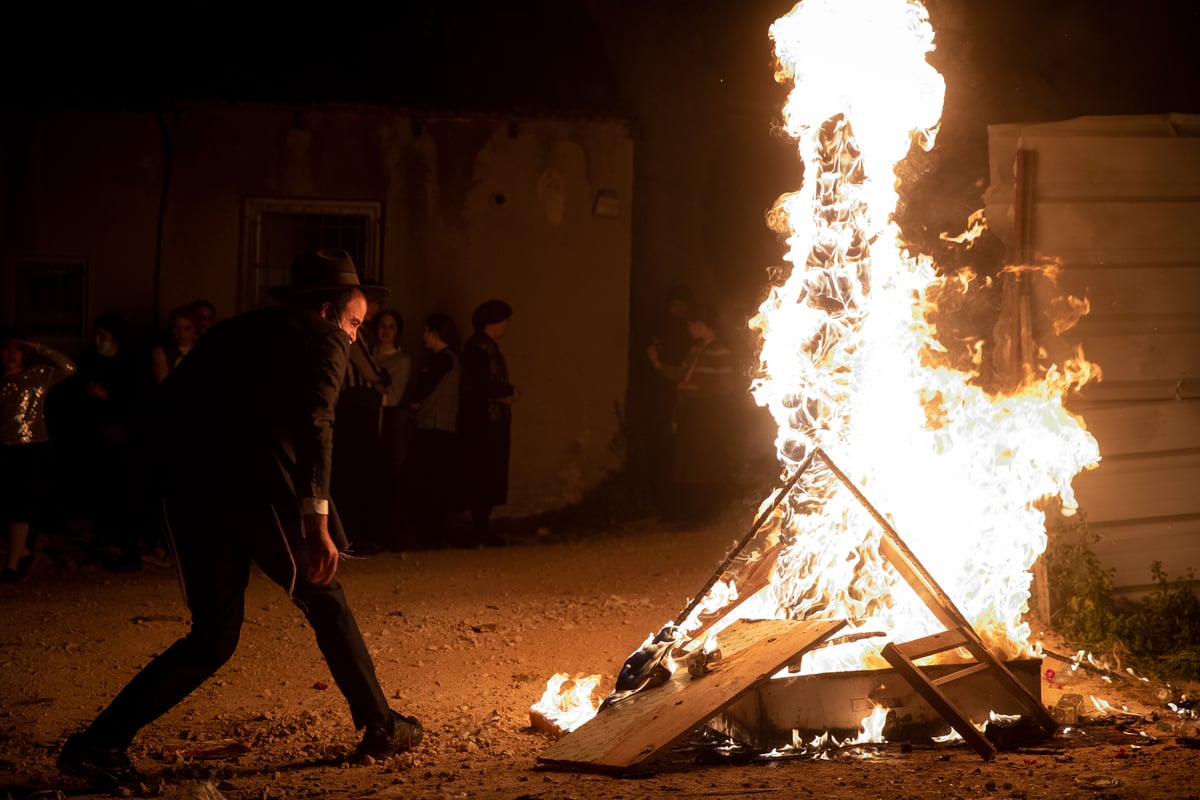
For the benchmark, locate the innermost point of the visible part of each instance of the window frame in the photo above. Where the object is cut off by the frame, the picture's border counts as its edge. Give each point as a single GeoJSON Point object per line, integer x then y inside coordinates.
{"type": "Point", "coordinates": [55, 325]}
{"type": "Point", "coordinates": [255, 278]}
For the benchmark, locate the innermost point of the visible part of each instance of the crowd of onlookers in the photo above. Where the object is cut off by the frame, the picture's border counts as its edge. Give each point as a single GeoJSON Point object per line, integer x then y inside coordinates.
{"type": "Point", "coordinates": [421, 441]}
{"type": "Point", "coordinates": [417, 440]}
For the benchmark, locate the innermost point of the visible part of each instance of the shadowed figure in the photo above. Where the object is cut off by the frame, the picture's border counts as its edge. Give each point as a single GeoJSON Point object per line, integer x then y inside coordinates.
{"type": "Point", "coordinates": [485, 416]}
{"type": "Point", "coordinates": [246, 436]}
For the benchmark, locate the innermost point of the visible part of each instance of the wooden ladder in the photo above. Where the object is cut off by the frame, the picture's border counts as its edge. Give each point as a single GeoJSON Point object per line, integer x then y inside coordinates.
{"type": "Point", "coordinates": [958, 634]}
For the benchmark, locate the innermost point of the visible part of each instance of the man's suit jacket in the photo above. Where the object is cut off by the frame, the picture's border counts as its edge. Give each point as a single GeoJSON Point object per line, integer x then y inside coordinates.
{"type": "Point", "coordinates": [249, 414]}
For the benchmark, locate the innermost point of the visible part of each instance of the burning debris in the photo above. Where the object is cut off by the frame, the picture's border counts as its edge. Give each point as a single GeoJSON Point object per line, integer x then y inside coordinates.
{"type": "Point", "coordinates": [647, 726]}
{"type": "Point", "coordinates": [853, 366]}
{"type": "Point", "coordinates": [565, 705]}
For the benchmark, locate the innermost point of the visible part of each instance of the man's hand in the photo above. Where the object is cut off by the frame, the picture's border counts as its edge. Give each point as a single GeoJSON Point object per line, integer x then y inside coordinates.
{"type": "Point", "coordinates": [322, 554]}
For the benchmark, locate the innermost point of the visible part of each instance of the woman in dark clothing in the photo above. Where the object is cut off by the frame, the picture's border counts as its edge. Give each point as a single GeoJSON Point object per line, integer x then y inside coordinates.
{"type": "Point", "coordinates": [432, 468]}
{"type": "Point", "coordinates": [485, 415]}
{"type": "Point", "coordinates": [101, 409]}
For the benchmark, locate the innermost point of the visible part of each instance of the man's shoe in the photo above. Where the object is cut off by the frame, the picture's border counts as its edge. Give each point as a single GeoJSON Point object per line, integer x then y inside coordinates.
{"type": "Point", "coordinates": [400, 735]}
{"type": "Point", "coordinates": [102, 767]}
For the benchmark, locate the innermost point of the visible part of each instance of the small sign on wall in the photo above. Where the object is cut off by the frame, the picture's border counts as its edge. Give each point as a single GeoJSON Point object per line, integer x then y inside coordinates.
{"type": "Point", "coordinates": [606, 204]}
{"type": "Point", "coordinates": [50, 297]}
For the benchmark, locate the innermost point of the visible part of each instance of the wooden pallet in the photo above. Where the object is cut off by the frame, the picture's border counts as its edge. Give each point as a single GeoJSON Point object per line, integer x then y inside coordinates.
{"type": "Point", "coordinates": [637, 732]}
{"type": "Point", "coordinates": [958, 634]}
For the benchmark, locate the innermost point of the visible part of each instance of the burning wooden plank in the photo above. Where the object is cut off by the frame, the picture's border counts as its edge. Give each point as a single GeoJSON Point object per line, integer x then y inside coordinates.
{"type": "Point", "coordinates": [641, 730]}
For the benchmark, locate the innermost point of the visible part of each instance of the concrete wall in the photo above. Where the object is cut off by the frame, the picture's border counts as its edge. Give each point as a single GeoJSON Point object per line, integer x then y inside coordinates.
{"type": "Point", "coordinates": [1117, 200]}
{"type": "Point", "coordinates": [472, 207]}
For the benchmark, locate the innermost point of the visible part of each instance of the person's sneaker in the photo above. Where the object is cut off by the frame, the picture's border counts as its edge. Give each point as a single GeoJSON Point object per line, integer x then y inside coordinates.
{"type": "Point", "coordinates": [102, 767]}
{"type": "Point", "coordinates": [400, 735]}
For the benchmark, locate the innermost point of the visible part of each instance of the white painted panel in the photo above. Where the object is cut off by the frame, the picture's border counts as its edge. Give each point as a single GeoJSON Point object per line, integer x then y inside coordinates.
{"type": "Point", "coordinates": [1097, 168]}
{"type": "Point", "coordinates": [1117, 202]}
{"type": "Point", "coordinates": [1143, 427]}
{"type": "Point", "coordinates": [1141, 355]}
{"type": "Point", "coordinates": [1135, 488]}
{"type": "Point", "coordinates": [1134, 288]}
{"type": "Point", "coordinates": [1122, 392]}
{"type": "Point", "coordinates": [1130, 549]}
{"type": "Point", "coordinates": [1133, 149]}
{"type": "Point", "coordinates": [1117, 232]}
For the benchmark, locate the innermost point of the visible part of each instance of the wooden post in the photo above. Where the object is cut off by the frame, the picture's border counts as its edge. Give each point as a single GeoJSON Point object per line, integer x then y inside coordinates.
{"type": "Point", "coordinates": [1023, 250]}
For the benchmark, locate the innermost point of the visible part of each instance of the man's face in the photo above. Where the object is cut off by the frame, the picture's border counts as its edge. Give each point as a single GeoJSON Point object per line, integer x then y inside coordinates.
{"type": "Point", "coordinates": [496, 330]}
{"type": "Point", "coordinates": [106, 345]}
{"type": "Point", "coordinates": [185, 332]}
{"type": "Point", "coordinates": [352, 318]}
{"type": "Point", "coordinates": [204, 316]}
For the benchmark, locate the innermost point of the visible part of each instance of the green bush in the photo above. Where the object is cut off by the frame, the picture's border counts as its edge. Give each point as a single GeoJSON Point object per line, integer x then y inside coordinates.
{"type": "Point", "coordinates": [1160, 632]}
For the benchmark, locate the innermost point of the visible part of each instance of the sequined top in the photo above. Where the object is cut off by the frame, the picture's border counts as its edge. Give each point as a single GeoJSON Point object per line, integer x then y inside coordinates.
{"type": "Point", "coordinates": [23, 396]}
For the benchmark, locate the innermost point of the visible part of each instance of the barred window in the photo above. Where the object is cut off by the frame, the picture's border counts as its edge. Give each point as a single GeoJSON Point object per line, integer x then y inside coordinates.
{"type": "Point", "coordinates": [49, 297]}
{"type": "Point", "coordinates": [276, 230]}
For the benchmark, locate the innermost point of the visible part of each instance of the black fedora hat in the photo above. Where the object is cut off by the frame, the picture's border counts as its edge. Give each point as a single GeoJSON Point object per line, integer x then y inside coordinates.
{"type": "Point", "coordinates": [325, 270]}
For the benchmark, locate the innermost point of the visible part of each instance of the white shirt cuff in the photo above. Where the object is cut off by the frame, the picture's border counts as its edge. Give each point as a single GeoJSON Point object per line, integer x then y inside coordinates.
{"type": "Point", "coordinates": [314, 505]}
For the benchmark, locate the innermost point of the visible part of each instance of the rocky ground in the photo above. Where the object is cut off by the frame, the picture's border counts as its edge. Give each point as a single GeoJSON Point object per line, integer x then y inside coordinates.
{"type": "Point", "coordinates": [466, 639]}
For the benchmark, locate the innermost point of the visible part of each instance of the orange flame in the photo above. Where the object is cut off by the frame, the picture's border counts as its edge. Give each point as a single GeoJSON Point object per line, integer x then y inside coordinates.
{"type": "Point", "coordinates": [978, 223]}
{"type": "Point", "coordinates": [851, 361]}
{"type": "Point", "coordinates": [567, 702]}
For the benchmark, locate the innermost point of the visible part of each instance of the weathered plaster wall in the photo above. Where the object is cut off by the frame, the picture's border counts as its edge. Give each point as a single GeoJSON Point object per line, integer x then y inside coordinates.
{"type": "Point", "coordinates": [536, 211]}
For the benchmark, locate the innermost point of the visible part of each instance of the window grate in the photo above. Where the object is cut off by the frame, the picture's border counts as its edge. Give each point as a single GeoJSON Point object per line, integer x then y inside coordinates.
{"type": "Point", "coordinates": [277, 230]}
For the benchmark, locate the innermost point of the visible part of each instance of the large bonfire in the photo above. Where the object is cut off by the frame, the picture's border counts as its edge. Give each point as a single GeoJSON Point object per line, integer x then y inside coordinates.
{"type": "Point", "coordinates": [851, 363]}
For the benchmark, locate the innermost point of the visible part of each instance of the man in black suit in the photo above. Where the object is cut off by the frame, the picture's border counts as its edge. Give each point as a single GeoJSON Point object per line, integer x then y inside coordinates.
{"type": "Point", "coordinates": [246, 433]}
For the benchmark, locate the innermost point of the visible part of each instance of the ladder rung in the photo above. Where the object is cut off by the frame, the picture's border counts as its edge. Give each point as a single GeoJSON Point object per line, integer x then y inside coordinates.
{"type": "Point", "coordinates": [935, 643]}
{"type": "Point", "coordinates": [965, 672]}
{"type": "Point", "coordinates": [920, 682]}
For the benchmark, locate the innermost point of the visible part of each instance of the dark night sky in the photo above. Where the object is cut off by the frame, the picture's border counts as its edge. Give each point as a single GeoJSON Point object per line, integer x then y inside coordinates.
{"type": "Point", "coordinates": [1017, 59]}
{"type": "Point", "coordinates": [1010, 61]}
{"type": "Point", "coordinates": [417, 53]}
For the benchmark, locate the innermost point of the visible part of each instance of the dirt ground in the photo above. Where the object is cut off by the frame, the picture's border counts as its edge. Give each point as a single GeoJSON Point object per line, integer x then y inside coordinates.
{"type": "Point", "coordinates": [465, 639]}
